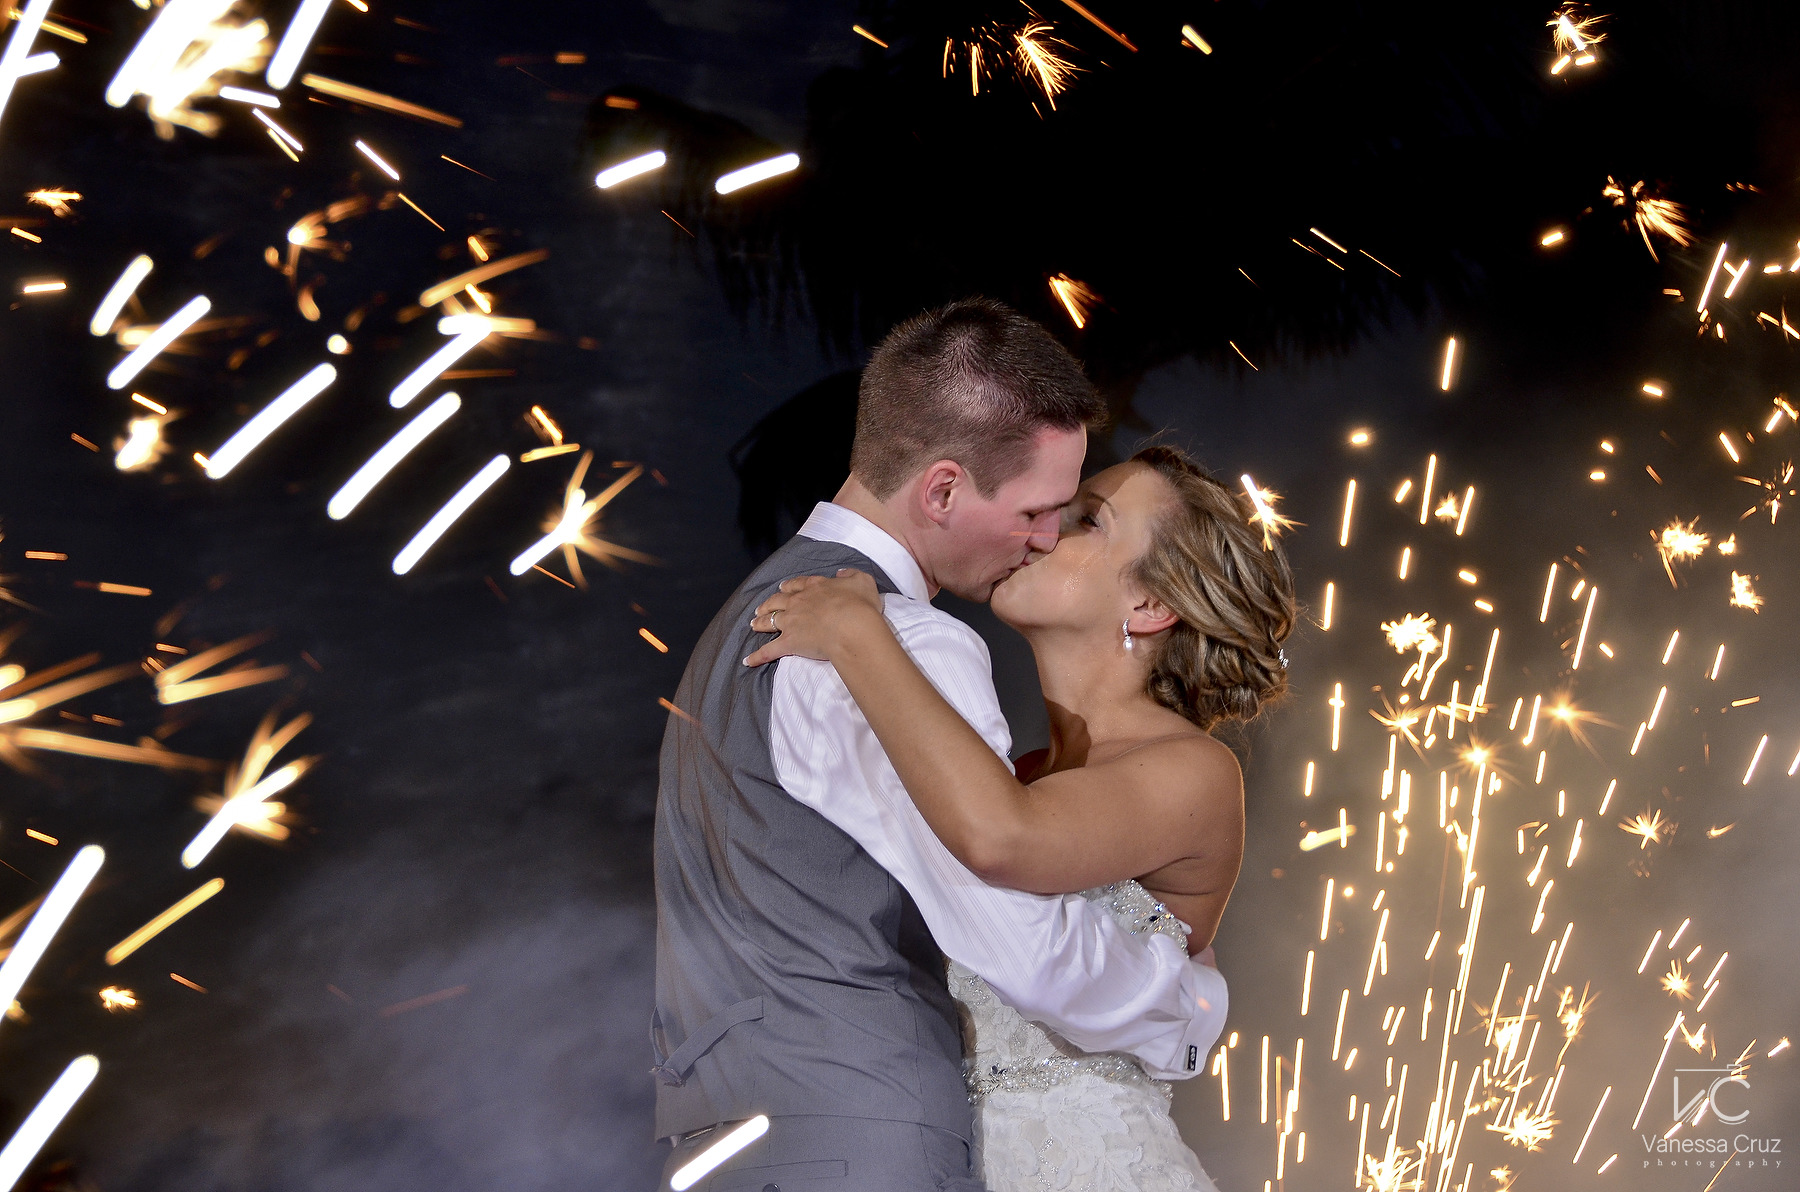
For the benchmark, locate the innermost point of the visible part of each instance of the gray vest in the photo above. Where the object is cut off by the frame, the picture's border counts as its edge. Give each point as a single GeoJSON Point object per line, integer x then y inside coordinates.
{"type": "Point", "coordinates": [793, 974]}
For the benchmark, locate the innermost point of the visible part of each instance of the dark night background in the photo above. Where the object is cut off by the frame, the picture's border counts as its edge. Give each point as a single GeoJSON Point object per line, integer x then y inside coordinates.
{"type": "Point", "coordinates": [481, 816]}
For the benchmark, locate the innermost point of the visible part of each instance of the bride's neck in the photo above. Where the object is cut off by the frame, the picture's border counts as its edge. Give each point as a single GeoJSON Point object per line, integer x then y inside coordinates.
{"type": "Point", "coordinates": [1094, 693]}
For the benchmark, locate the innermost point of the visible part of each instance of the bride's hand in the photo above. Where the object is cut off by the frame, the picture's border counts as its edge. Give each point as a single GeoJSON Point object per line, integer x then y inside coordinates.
{"type": "Point", "coordinates": [815, 614]}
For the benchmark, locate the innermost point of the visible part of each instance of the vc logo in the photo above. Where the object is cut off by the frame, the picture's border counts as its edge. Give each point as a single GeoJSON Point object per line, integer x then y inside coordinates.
{"type": "Point", "coordinates": [1710, 1093]}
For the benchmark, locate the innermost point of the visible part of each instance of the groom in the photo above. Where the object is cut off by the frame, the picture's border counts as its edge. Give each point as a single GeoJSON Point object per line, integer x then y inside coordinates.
{"type": "Point", "coordinates": [804, 909]}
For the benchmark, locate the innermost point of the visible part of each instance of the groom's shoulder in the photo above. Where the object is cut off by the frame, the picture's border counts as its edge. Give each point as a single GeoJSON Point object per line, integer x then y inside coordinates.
{"type": "Point", "coordinates": [919, 624]}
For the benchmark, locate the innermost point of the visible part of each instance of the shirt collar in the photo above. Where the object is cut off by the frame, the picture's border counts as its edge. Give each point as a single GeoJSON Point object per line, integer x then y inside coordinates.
{"type": "Point", "coordinates": [834, 523]}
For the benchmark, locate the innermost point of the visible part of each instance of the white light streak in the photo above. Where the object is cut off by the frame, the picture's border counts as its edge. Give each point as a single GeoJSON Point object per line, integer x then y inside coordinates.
{"type": "Point", "coordinates": [363, 148]}
{"type": "Point", "coordinates": [1756, 757]}
{"type": "Point", "coordinates": [294, 42]}
{"type": "Point", "coordinates": [1449, 364]}
{"type": "Point", "coordinates": [751, 174]}
{"type": "Point", "coordinates": [453, 509]}
{"type": "Point", "coordinates": [261, 99]}
{"type": "Point", "coordinates": [611, 176]}
{"type": "Point", "coordinates": [707, 1160]}
{"type": "Point", "coordinates": [433, 368]}
{"type": "Point", "coordinates": [391, 453]}
{"type": "Point", "coordinates": [1349, 508]}
{"type": "Point", "coordinates": [159, 339]}
{"type": "Point", "coordinates": [43, 1120]}
{"type": "Point", "coordinates": [1581, 641]}
{"type": "Point", "coordinates": [18, 60]}
{"type": "Point", "coordinates": [161, 45]}
{"type": "Point", "coordinates": [268, 420]}
{"type": "Point", "coordinates": [1710, 278]}
{"type": "Point", "coordinates": [45, 923]}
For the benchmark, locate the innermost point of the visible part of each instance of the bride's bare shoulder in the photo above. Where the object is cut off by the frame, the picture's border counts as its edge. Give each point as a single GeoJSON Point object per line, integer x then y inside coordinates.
{"type": "Point", "coordinates": [1195, 776]}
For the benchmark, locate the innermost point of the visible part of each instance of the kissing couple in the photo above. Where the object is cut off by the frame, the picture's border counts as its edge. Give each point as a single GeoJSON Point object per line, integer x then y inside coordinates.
{"type": "Point", "coordinates": [927, 965]}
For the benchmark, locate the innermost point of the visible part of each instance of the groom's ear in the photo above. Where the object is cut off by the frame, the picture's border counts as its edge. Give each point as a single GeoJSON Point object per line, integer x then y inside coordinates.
{"type": "Point", "coordinates": [940, 488]}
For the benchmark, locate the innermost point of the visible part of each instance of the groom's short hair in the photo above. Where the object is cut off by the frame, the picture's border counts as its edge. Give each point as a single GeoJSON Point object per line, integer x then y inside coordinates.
{"type": "Point", "coordinates": [974, 382]}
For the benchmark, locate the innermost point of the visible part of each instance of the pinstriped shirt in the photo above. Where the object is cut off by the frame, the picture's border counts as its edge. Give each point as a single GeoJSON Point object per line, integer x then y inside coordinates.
{"type": "Point", "coordinates": [1060, 960]}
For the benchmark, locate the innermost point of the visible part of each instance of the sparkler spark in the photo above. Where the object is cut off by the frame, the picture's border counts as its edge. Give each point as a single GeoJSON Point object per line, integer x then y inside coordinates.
{"type": "Point", "coordinates": [247, 791]}
{"type": "Point", "coordinates": [1075, 297]}
{"type": "Point", "coordinates": [1263, 501]}
{"type": "Point", "coordinates": [1677, 981]}
{"type": "Point", "coordinates": [1651, 214]}
{"type": "Point", "coordinates": [176, 59]}
{"type": "Point", "coordinates": [1527, 1129]}
{"type": "Point", "coordinates": [1035, 50]}
{"type": "Point", "coordinates": [1412, 632]}
{"type": "Point", "coordinates": [1743, 595]}
{"type": "Point", "coordinates": [1649, 826]}
{"type": "Point", "coordinates": [1679, 541]}
{"type": "Point", "coordinates": [114, 998]}
{"type": "Point", "coordinates": [571, 530]}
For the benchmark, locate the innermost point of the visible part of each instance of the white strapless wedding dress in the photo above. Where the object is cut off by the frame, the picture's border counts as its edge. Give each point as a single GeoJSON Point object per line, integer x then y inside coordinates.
{"type": "Point", "coordinates": [1049, 1116]}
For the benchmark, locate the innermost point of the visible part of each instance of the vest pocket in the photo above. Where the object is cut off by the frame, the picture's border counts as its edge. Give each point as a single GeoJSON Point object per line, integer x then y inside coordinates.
{"type": "Point", "coordinates": [672, 1069]}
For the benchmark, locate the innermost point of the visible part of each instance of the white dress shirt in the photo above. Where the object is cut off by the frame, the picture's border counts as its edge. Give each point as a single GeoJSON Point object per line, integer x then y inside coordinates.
{"type": "Point", "coordinates": [1059, 960]}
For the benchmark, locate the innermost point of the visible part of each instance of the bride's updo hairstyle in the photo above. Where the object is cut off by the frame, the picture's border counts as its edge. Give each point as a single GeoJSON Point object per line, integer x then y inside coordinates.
{"type": "Point", "coordinates": [1206, 561]}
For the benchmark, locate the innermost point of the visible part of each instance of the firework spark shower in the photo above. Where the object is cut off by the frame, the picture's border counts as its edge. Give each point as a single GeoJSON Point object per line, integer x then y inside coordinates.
{"type": "Point", "coordinates": [396, 391]}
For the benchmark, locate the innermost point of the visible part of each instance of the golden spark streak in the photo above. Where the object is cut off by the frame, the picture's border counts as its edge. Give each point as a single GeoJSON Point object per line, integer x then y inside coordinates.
{"type": "Point", "coordinates": [1101, 25]}
{"type": "Point", "coordinates": [168, 918]}
{"type": "Point", "coordinates": [375, 99]}
{"type": "Point", "coordinates": [1075, 297]}
{"type": "Point", "coordinates": [482, 273]}
{"type": "Point", "coordinates": [1263, 500]}
{"type": "Point", "coordinates": [1038, 60]}
{"type": "Point", "coordinates": [53, 741]}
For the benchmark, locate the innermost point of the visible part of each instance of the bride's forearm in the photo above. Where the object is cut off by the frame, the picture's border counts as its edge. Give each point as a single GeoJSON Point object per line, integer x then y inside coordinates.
{"type": "Point", "coordinates": [965, 791]}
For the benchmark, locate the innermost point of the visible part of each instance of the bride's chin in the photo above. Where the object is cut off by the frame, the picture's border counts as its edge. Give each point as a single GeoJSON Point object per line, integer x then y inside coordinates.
{"type": "Point", "coordinates": [1010, 602]}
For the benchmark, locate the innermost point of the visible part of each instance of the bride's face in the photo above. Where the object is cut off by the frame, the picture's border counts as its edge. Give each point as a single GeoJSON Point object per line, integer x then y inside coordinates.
{"type": "Point", "coordinates": [1082, 584]}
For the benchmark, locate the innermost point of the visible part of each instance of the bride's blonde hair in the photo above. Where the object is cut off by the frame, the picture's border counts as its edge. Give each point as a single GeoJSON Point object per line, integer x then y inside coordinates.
{"type": "Point", "coordinates": [1234, 596]}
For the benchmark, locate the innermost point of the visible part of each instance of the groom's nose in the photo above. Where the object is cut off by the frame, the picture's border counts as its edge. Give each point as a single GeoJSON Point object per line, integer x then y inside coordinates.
{"type": "Point", "coordinates": [1041, 539]}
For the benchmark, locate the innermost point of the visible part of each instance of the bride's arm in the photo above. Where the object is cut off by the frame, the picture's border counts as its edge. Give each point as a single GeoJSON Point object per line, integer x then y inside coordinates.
{"type": "Point", "coordinates": [1065, 832]}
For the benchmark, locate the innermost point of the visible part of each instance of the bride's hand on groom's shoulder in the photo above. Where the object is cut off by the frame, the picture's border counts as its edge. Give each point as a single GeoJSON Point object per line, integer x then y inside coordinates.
{"type": "Point", "coordinates": [814, 615]}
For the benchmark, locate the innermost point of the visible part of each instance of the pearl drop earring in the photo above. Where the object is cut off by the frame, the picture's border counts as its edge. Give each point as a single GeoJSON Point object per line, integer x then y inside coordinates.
{"type": "Point", "coordinates": [1129, 644]}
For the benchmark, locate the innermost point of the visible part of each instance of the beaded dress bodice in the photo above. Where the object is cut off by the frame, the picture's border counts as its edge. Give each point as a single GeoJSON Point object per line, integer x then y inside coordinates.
{"type": "Point", "coordinates": [1006, 1051]}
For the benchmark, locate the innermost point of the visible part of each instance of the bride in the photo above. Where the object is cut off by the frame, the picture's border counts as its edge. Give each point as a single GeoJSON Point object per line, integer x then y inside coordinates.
{"type": "Point", "coordinates": [1159, 615]}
